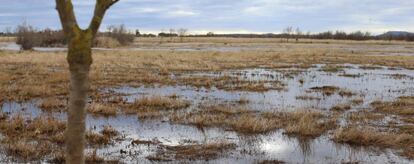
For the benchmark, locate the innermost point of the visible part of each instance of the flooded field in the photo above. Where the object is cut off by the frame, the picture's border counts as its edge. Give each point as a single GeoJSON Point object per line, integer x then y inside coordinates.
{"type": "Point", "coordinates": [216, 103]}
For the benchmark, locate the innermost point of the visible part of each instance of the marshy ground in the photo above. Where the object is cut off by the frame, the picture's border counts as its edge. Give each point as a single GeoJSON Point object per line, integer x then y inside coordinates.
{"type": "Point", "coordinates": [217, 100]}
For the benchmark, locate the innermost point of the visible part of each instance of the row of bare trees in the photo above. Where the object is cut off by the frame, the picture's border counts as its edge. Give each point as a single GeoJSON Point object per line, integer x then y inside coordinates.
{"type": "Point", "coordinates": [291, 33]}
{"type": "Point", "coordinates": [181, 32]}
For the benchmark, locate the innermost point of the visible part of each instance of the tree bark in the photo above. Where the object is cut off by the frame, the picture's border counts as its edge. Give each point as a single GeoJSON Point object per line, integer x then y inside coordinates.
{"type": "Point", "coordinates": [75, 132]}
{"type": "Point", "coordinates": [80, 60]}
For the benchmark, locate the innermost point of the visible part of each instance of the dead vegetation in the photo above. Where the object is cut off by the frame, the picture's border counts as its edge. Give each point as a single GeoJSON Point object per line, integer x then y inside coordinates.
{"type": "Point", "coordinates": [229, 83]}
{"type": "Point", "coordinates": [102, 109]}
{"type": "Point", "coordinates": [30, 139]}
{"type": "Point", "coordinates": [308, 98]}
{"type": "Point", "coordinates": [366, 128]}
{"type": "Point", "coordinates": [28, 75]}
{"type": "Point", "coordinates": [105, 137]}
{"type": "Point", "coordinates": [28, 151]}
{"type": "Point", "coordinates": [53, 105]}
{"type": "Point", "coordinates": [145, 142]}
{"type": "Point", "coordinates": [39, 138]}
{"type": "Point", "coordinates": [370, 67]}
{"type": "Point", "coordinates": [332, 68]}
{"type": "Point", "coordinates": [90, 158]}
{"type": "Point", "coordinates": [370, 137]}
{"type": "Point", "coordinates": [305, 122]}
{"type": "Point", "coordinates": [309, 123]}
{"type": "Point", "coordinates": [346, 93]}
{"type": "Point", "coordinates": [155, 106]}
{"type": "Point", "coordinates": [341, 107]}
{"type": "Point", "coordinates": [363, 117]}
{"type": "Point", "coordinates": [326, 90]}
{"type": "Point", "coordinates": [351, 75]}
{"type": "Point", "coordinates": [205, 152]}
{"type": "Point", "coordinates": [404, 106]}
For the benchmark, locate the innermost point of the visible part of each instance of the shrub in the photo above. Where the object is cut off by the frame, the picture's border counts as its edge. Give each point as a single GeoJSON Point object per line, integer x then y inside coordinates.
{"type": "Point", "coordinates": [27, 37]}
{"type": "Point", "coordinates": [121, 34]}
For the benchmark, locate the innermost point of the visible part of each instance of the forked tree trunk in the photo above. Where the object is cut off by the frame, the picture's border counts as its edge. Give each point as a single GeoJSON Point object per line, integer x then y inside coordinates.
{"type": "Point", "coordinates": [80, 60]}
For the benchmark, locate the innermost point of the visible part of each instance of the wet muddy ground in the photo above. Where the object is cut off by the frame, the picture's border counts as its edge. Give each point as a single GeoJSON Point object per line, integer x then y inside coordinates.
{"type": "Point", "coordinates": [321, 88]}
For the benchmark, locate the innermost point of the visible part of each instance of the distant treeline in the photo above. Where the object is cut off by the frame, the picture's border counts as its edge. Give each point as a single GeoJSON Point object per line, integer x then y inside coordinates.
{"type": "Point", "coordinates": [403, 36]}
{"type": "Point", "coordinates": [120, 33]}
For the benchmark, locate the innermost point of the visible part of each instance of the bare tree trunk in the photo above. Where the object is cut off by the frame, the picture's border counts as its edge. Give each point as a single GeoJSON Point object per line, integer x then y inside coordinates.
{"type": "Point", "coordinates": [80, 60]}
{"type": "Point", "coordinates": [75, 133]}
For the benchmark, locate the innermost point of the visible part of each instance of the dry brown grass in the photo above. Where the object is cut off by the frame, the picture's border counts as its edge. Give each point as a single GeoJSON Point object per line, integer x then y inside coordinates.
{"type": "Point", "coordinates": [326, 90]}
{"type": "Point", "coordinates": [302, 123]}
{"type": "Point", "coordinates": [235, 118]}
{"type": "Point", "coordinates": [155, 106]}
{"type": "Point", "coordinates": [96, 139]}
{"type": "Point", "coordinates": [231, 83]}
{"type": "Point", "coordinates": [351, 75]}
{"type": "Point", "coordinates": [146, 142]}
{"type": "Point", "coordinates": [41, 127]}
{"type": "Point", "coordinates": [409, 120]}
{"type": "Point", "coordinates": [346, 93]}
{"type": "Point", "coordinates": [332, 68]}
{"type": "Point", "coordinates": [207, 151]}
{"type": "Point", "coordinates": [102, 109]}
{"type": "Point", "coordinates": [308, 123]}
{"type": "Point", "coordinates": [28, 151]}
{"type": "Point", "coordinates": [109, 131]}
{"type": "Point", "coordinates": [28, 75]}
{"type": "Point", "coordinates": [404, 106]}
{"type": "Point", "coordinates": [357, 101]}
{"type": "Point", "coordinates": [370, 67]}
{"type": "Point", "coordinates": [370, 137]}
{"type": "Point", "coordinates": [42, 137]}
{"type": "Point", "coordinates": [90, 158]}
{"type": "Point", "coordinates": [364, 117]}
{"type": "Point", "coordinates": [341, 107]}
{"type": "Point", "coordinates": [53, 105]}
{"type": "Point", "coordinates": [30, 139]}
{"type": "Point", "coordinates": [104, 137]}
{"type": "Point", "coordinates": [306, 97]}
{"type": "Point", "coordinates": [7, 39]}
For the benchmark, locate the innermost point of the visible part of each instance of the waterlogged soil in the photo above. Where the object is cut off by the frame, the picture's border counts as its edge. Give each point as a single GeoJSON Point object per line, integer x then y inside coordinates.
{"type": "Point", "coordinates": [365, 49]}
{"type": "Point", "coordinates": [301, 91]}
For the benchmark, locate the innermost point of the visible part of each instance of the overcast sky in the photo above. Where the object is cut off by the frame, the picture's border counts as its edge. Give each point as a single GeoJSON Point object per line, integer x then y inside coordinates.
{"type": "Point", "coordinates": [225, 16]}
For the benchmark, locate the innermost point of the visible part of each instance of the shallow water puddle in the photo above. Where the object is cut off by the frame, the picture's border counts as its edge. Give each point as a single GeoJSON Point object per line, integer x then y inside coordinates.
{"type": "Point", "coordinates": [250, 149]}
{"type": "Point", "coordinates": [370, 85]}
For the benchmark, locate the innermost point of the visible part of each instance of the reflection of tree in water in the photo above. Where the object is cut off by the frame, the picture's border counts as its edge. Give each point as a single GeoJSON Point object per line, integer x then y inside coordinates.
{"type": "Point", "coordinates": [305, 145]}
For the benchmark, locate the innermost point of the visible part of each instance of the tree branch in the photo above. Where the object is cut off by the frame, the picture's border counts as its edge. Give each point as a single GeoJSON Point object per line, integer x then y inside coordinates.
{"type": "Point", "coordinates": [67, 16]}
{"type": "Point", "coordinates": [100, 9]}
